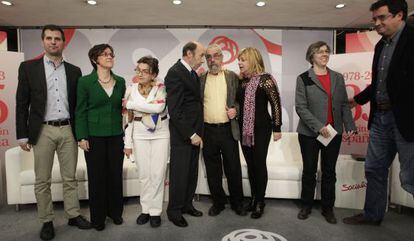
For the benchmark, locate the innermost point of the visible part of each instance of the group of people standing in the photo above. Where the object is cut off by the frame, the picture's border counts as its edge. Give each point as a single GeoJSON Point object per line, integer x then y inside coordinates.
{"type": "Point", "coordinates": [166, 120]}
{"type": "Point", "coordinates": [58, 109]}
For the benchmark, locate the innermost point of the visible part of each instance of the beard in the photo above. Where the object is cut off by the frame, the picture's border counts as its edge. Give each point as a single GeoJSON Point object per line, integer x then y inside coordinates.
{"type": "Point", "coordinates": [214, 68]}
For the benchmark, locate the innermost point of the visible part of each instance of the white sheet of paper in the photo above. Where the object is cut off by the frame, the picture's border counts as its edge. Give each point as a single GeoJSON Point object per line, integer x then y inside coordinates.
{"type": "Point", "coordinates": [326, 141]}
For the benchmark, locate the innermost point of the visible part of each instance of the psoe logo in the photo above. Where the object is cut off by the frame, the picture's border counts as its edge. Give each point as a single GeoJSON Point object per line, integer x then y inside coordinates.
{"type": "Point", "coordinates": [228, 46]}
{"type": "Point", "coordinates": [350, 187]}
{"type": "Point", "coordinates": [253, 235]}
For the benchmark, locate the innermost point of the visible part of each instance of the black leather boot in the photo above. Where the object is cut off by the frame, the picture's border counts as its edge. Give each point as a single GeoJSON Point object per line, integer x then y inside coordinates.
{"type": "Point", "coordinates": [258, 211]}
{"type": "Point", "coordinates": [252, 205]}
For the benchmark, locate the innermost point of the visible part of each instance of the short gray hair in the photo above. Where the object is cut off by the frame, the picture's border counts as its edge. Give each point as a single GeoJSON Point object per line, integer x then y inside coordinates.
{"type": "Point", "coordinates": [214, 47]}
{"type": "Point", "coordinates": [313, 48]}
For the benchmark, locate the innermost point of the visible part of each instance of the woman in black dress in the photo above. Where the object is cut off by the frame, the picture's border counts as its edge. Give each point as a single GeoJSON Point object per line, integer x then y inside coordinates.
{"type": "Point", "coordinates": [257, 90]}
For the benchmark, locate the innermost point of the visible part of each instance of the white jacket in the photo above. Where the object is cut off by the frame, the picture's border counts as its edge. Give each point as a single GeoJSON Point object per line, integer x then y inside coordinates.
{"type": "Point", "coordinates": [154, 103]}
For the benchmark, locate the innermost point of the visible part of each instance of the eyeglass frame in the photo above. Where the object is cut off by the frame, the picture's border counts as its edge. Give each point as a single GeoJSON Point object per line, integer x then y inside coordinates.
{"type": "Point", "coordinates": [106, 55]}
{"type": "Point", "coordinates": [323, 52]}
{"type": "Point", "coordinates": [215, 56]}
{"type": "Point", "coordinates": [143, 72]}
{"type": "Point", "coordinates": [382, 17]}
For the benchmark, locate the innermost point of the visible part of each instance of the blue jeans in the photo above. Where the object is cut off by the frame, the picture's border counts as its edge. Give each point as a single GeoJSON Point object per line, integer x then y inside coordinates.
{"type": "Point", "coordinates": [385, 141]}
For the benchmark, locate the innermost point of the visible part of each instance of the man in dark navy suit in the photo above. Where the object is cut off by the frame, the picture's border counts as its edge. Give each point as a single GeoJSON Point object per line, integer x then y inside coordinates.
{"type": "Point", "coordinates": [186, 123]}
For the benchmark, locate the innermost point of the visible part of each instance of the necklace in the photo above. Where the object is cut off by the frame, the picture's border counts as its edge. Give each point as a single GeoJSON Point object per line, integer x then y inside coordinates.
{"type": "Point", "coordinates": [105, 82]}
{"type": "Point", "coordinates": [144, 90]}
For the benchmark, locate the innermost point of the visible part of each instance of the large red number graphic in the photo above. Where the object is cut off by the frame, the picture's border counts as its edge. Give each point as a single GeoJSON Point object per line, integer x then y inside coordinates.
{"type": "Point", "coordinates": [3, 107]}
{"type": "Point", "coordinates": [358, 109]}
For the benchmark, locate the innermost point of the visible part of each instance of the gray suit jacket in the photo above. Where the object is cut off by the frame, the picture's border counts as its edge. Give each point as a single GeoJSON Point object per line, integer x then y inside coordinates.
{"type": "Point", "coordinates": [232, 81]}
{"type": "Point", "coordinates": [311, 102]}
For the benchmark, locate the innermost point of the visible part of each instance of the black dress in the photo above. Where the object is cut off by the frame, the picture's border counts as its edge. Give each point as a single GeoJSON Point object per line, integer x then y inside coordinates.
{"type": "Point", "coordinates": [264, 125]}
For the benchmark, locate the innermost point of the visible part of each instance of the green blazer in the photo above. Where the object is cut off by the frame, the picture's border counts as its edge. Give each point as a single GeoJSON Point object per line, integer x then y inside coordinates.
{"type": "Point", "coordinates": [97, 114]}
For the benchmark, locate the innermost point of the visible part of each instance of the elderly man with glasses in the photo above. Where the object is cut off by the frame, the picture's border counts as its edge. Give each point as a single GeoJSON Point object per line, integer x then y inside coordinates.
{"type": "Point", "coordinates": [221, 133]}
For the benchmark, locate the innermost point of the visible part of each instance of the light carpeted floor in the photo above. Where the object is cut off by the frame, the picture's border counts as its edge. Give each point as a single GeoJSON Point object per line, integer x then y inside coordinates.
{"type": "Point", "coordinates": [279, 219]}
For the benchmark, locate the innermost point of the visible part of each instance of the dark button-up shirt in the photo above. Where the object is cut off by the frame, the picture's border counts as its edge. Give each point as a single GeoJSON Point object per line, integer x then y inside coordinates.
{"type": "Point", "coordinates": [384, 64]}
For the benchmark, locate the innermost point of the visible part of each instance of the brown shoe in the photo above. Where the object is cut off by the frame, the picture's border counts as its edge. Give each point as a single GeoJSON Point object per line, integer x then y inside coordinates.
{"type": "Point", "coordinates": [360, 219]}
{"type": "Point", "coordinates": [329, 215]}
{"type": "Point", "coordinates": [304, 213]}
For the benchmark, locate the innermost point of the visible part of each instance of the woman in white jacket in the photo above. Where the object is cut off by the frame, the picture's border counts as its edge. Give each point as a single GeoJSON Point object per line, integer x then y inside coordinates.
{"type": "Point", "coordinates": [147, 137]}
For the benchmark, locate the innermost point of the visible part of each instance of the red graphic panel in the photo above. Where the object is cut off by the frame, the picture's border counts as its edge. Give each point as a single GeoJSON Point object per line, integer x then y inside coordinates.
{"type": "Point", "coordinates": [361, 42]}
{"type": "Point", "coordinates": [272, 48]}
{"type": "Point", "coordinates": [4, 112]}
{"type": "Point", "coordinates": [3, 37]}
{"type": "Point", "coordinates": [357, 42]}
{"type": "Point", "coordinates": [227, 45]}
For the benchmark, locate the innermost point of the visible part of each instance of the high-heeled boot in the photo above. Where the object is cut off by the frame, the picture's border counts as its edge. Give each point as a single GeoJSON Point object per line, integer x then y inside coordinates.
{"type": "Point", "coordinates": [258, 211]}
{"type": "Point", "coordinates": [252, 205]}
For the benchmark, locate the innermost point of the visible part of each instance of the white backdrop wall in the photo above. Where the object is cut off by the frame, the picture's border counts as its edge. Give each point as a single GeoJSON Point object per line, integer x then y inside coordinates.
{"type": "Point", "coordinates": [283, 51]}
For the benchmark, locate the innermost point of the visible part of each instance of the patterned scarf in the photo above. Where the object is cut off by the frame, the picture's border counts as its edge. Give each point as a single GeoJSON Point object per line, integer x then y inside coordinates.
{"type": "Point", "coordinates": [249, 109]}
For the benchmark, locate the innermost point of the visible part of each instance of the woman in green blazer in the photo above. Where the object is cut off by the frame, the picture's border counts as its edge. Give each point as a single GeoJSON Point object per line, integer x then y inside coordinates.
{"type": "Point", "coordinates": [98, 119]}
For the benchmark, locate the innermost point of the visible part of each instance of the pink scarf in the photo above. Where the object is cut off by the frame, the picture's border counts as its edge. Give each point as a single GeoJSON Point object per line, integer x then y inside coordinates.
{"type": "Point", "coordinates": [249, 109]}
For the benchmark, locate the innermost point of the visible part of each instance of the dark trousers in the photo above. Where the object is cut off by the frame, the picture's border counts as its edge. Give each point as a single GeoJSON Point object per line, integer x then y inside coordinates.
{"type": "Point", "coordinates": [310, 148]}
{"type": "Point", "coordinates": [255, 157]}
{"type": "Point", "coordinates": [105, 163]}
{"type": "Point", "coordinates": [183, 178]}
{"type": "Point", "coordinates": [221, 150]}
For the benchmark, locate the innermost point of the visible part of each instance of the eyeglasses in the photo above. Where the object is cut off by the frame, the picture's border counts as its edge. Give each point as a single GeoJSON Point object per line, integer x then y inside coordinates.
{"type": "Point", "coordinates": [323, 51]}
{"type": "Point", "coordinates": [142, 71]}
{"type": "Point", "coordinates": [215, 56]}
{"type": "Point", "coordinates": [382, 17]}
{"type": "Point", "coordinates": [104, 54]}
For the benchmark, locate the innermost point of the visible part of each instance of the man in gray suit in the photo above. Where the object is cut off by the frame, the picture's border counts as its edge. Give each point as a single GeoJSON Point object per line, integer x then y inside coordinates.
{"type": "Point", "coordinates": [221, 133]}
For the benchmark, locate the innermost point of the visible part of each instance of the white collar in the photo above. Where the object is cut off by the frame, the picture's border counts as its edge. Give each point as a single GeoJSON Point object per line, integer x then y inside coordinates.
{"type": "Point", "coordinates": [186, 65]}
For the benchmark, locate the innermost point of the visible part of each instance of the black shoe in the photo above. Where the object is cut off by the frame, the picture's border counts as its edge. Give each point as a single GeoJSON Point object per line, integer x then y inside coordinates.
{"type": "Point", "coordinates": [118, 221]}
{"type": "Point", "coordinates": [180, 222]}
{"type": "Point", "coordinates": [304, 213]}
{"type": "Point", "coordinates": [360, 219]}
{"type": "Point", "coordinates": [329, 215]}
{"type": "Point", "coordinates": [48, 231]}
{"type": "Point", "coordinates": [99, 227]}
{"type": "Point", "coordinates": [258, 212]}
{"type": "Point", "coordinates": [155, 221]}
{"type": "Point", "coordinates": [239, 210]}
{"type": "Point", "coordinates": [194, 212]}
{"type": "Point", "coordinates": [252, 205]}
{"type": "Point", "coordinates": [214, 211]}
{"type": "Point", "coordinates": [80, 222]}
{"type": "Point", "coordinates": [143, 218]}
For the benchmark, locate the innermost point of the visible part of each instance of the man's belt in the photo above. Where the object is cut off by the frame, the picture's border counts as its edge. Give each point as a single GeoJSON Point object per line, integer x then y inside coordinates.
{"type": "Point", "coordinates": [139, 118]}
{"type": "Point", "coordinates": [57, 122]}
{"type": "Point", "coordinates": [217, 125]}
